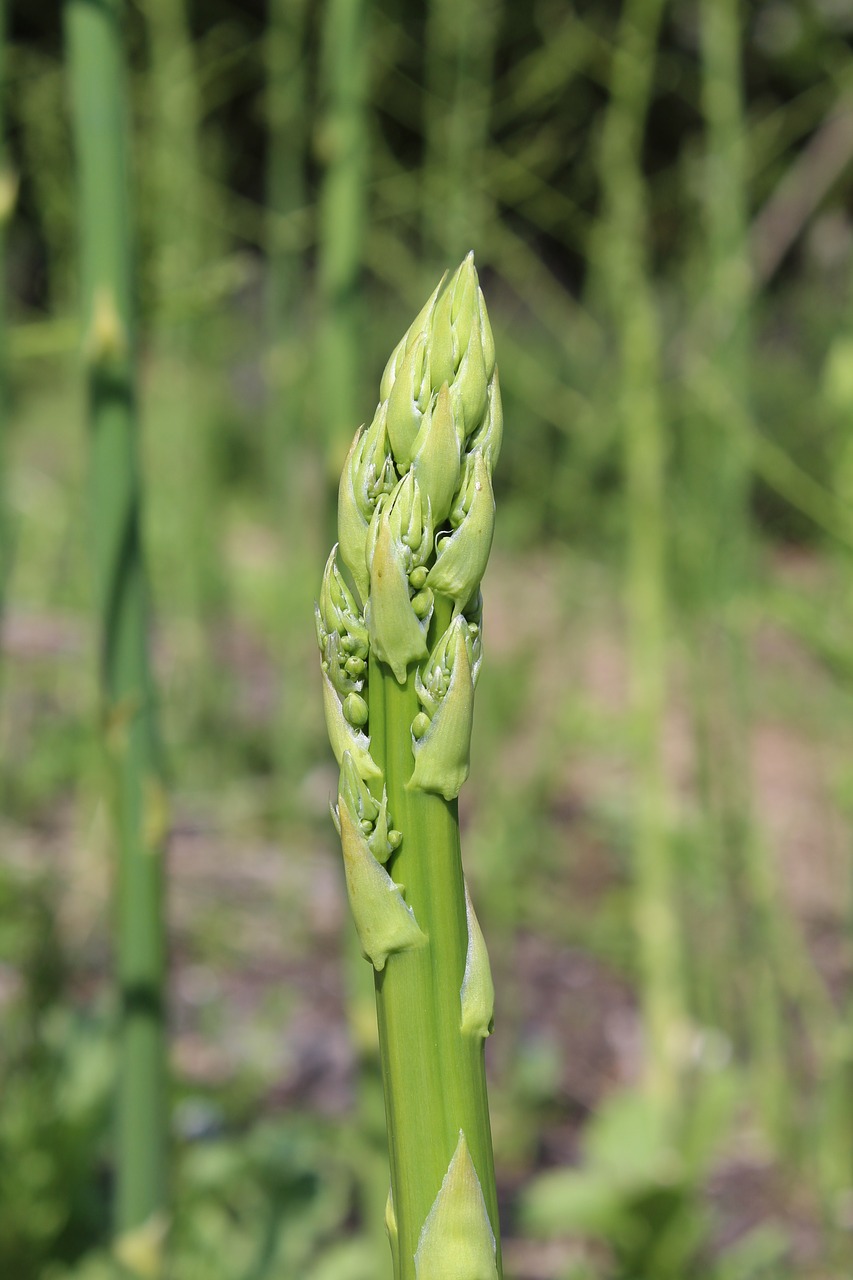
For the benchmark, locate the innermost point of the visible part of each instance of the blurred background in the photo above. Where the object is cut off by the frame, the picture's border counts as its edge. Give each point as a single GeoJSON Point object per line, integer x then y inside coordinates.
{"type": "Point", "coordinates": [657, 827]}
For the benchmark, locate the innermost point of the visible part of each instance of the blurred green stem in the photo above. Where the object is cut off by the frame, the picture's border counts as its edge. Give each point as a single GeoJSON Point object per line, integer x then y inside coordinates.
{"type": "Point", "coordinates": [622, 262]}
{"type": "Point", "coordinates": [342, 213]}
{"type": "Point", "coordinates": [100, 132]}
{"type": "Point", "coordinates": [460, 48]}
{"type": "Point", "coordinates": [7, 204]}
{"type": "Point", "coordinates": [719, 469]}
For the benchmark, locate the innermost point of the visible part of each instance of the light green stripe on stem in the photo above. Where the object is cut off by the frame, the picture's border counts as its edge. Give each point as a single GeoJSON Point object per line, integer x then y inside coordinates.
{"type": "Point", "coordinates": [100, 135]}
{"type": "Point", "coordinates": [434, 1075]}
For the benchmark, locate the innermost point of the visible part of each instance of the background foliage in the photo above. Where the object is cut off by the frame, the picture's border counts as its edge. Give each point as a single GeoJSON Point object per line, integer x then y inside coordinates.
{"type": "Point", "coordinates": [301, 175]}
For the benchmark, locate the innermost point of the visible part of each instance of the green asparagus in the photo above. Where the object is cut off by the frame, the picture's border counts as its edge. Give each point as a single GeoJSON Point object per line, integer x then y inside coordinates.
{"type": "Point", "coordinates": [399, 626]}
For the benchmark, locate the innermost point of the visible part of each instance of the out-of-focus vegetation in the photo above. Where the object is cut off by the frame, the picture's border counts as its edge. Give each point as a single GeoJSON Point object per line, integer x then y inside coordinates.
{"type": "Point", "coordinates": [658, 822]}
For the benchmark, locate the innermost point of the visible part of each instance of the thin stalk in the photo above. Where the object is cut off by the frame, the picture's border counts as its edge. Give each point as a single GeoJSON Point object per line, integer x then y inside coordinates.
{"type": "Point", "coordinates": [460, 46]}
{"type": "Point", "coordinates": [100, 133]}
{"type": "Point", "coordinates": [286, 86]}
{"type": "Point", "coordinates": [720, 467]}
{"type": "Point", "coordinates": [293, 465]}
{"type": "Point", "coordinates": [401, 651]}
{"type": "Point", "coordinates": [623, 264]}
{"type": "Point", "coordinates": [181, 240]}
{"type": "Point", "coordinates": [7, 204]}
{"type": "Point", "coordinates": [342, 213]}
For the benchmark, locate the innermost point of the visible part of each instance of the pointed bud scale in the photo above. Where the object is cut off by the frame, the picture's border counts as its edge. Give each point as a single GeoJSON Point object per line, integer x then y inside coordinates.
{"type": "Point", "coordinates": [420, 324]}
{"type": "Point", "coordinates": [343, 736]}
{"type": "Point", "coordinates": [461, 556]}
{"type": "Point", "coordinates": [457, 1241]}
{"type": "Point", "coordinates": [436, 463]}
{"type": "Point", "coordinates": [477, 994]}
{"type": "Point", "coordinates": [339, 610]}
{"type": "Point", "coordinates": [486, 335]}
{"type": "Point", "coordinates": [400, 538]}
{"type": "Point", "coordinates": [383, 921]}
{"type": "Point", "coordinates": [442, 753]}
{"type": "Point", "coordinates": [407, 402]}
{"type": "Point", "coordinates": [488, 437]}
{"type": "Point", "coordinates": [372, 814]}
{"type": "Point", "coordinates": [391, 1223]}
{"type": "Point", "coordinates": [368, 474]}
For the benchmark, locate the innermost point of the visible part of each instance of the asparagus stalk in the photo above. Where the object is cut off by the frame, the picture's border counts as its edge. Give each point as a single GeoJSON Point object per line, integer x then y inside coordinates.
{"type": "Point", "coordinates": [7, 204]}
{"type": "Point", "coordinates": [625, 275]}
{"type": "Point", "coordinates": [342, 208]}
{"type": "Point", "coordinates": [96, 73]}
{"type": "Point", "coordinates": [399, 629]}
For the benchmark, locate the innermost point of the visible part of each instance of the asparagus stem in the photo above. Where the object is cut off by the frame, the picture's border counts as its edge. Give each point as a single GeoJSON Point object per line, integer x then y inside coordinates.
{"type": "Point", "coordinates": [400, 660]}
{"type": "Point", "coordinates": [96, 71]}
{"type": "Point", "coordinates": [7, 204]}
{"type": "Point", "coordinates": [342, 209]}
{"type": "Point", "coordinates": [460, 45]}
{"type": "Point", "coordinates": [632, 306]}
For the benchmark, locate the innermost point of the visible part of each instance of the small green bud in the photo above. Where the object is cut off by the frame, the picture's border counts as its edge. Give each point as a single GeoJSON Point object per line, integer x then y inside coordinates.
{"type": "Point", "coordinates": [355, 710]}
{"type": "Point", "coordinates": [383, 921]}
{"type": "Point", "coordinates": [368, 474]}
{"type": "Point", "coordinates": [355, 667]}
{"type": "Point", "coordinates": [335, 659]}
{"type": "Point", "coordinates": [422, 603]}
{"type": "Point", "coordinates": [436, 462]}
{"type": "Point", "coordinates": [458, 348]}
{"type": "Point", "coordinates": [461, 556]}
{"type": "Point", "coordinates": [339, 610]}
{"type": "Point", "coordinates": [456, 1241]}
{"type": "Point", "coordinates": [442, 752]}
{"type": "Point", "coordinates": [418, 577]}
{"type": "Point", "coordinates": [400, 539]}
{"type": "Point", "coordinates": [371, 814]}
{"type": "Point", "coordinates": [420, 724]}
{"type": "Point", "coordinates": [343, 736]}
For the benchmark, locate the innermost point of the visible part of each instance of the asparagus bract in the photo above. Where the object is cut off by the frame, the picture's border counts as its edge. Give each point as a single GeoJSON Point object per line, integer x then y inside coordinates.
{"type": "Point", "coordinates": [399, 626]}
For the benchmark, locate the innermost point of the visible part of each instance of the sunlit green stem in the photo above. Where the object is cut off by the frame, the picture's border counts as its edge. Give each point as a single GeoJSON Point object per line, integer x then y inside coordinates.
{"type": "Point", "coordinates": [434, 1073]}
{"type": "Point", "coordinates": [100, 134]}
{"type": "Point", "coordinates": [622, 261]}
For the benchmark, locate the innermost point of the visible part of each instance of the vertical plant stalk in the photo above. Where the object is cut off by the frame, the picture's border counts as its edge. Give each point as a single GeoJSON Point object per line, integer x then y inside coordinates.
{"type": "Point", "coordinates": [342, 211]}
{"type": "Point", "coordinates": [100, 132]}
{"type": "Point", "coordinates": [8, 192]}
{"type": "Point", "coordinates": [622, 263]}
{"type": "Point", "coordinates": [181, 242]}
{"type": "Point", "coordinates": [286, 86]}
{"type": "Point", "coordinates": [399, 629]}
{"type": "Point", "coordinates": [460, 50]}
{"type": "Point", "coordinates": [721, 470]}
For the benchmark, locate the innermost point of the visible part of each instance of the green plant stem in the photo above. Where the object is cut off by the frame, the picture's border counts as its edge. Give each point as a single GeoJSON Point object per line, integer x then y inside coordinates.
{"type": "Point", "coordinates": [342, 214]}
{"type": "Point", "coordinates": [434, 1075]}
{"type": "Point", "coordinates": [622, 262]}
{"type": "Point", "coordinates": [460, 50]}
{"type": "Point", "coordinates": [7, 203]}
{"type": "Point", "coordinates": [100, 133]}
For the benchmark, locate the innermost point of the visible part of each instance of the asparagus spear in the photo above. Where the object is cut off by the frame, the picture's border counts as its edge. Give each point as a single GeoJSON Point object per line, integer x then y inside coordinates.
{"type": "Point", "coordinates": [399, 625]}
